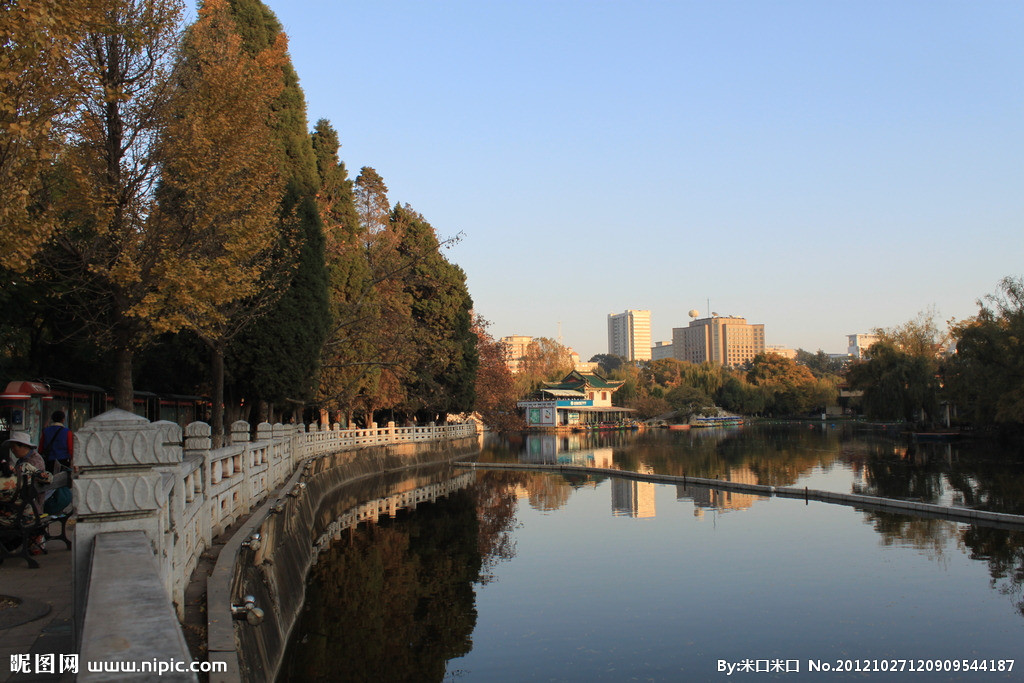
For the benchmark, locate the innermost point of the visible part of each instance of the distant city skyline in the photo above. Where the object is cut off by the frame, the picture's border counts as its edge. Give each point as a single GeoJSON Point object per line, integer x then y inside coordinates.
{"type": "Point", "coordinates": [822, 168]}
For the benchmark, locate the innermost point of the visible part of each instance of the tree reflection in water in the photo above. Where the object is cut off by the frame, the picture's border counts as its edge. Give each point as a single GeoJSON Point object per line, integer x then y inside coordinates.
{"type": "Point", "coordinates": [394, 600]}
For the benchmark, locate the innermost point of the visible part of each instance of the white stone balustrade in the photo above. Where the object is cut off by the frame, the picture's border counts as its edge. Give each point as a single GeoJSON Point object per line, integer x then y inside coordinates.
{"type": "Point", "coordinates": [172, 485]}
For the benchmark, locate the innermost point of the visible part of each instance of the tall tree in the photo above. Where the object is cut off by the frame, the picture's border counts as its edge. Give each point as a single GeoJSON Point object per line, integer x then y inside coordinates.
{"type": "Point", "coordinates": [545, 360]}
{"type": "Point", "coordinates": [386, 312]}
{"type": "Point", "coordinates": [986, 376]}
{"type": "Point", "coordinates": [371, 201]}
{"type": "Point", "coordinates": [220, 190]}
{"type": "Point", "coordinates": [347, 357]}
{"type": "Point", "coordinates": [792, 388]}
{"type": "Point", "coordinates": [899, 378]}
{"type": "Point", "coordinates": [896, 384]}
{"type": "Point", "coordinates": [277, 361]}
{"type": "Point", "coordinates": [495, 387]}
{"type": "Point", "coordinates": [108, 247]}
{"type": "Point", "coordinates": [444, 362]}
{"type": "Point", "coordinates": [39, 88]}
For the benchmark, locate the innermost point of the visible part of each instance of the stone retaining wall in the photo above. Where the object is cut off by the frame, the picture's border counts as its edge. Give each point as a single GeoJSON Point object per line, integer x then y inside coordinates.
{"type": "Point", "coordinates": [292, 528]}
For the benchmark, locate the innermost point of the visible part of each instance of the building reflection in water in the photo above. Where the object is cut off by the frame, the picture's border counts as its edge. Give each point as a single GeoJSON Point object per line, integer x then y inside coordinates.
{"type": "Point", "coordinates": [705, 498]}
{"type": "Point", "coordinates": [631, 498]}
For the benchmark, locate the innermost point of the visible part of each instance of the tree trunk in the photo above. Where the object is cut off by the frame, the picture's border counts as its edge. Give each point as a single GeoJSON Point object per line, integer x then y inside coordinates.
{"type": "Point", "coordinates": [217, 416]}
{"type": "Point", "coordinates": [124, 393]}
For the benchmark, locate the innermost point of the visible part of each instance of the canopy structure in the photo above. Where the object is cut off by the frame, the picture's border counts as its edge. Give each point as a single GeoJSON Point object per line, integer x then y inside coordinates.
{"type": "Point", "coordinates": [581, 399]}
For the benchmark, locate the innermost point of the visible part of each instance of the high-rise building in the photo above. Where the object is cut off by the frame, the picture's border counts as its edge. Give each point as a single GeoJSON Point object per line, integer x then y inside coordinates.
{"type": "Point", "coordinates": [719, 339]}
{"type": "Point", "coordinates": [629, 334]}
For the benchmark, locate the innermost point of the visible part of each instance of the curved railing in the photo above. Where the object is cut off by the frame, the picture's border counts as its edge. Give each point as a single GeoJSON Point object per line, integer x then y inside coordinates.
{"type": "Point", "coordinates": [180, 492]}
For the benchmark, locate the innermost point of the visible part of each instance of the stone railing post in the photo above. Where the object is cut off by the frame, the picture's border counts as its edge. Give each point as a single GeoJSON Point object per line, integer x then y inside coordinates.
{"type": "Point", "coordinates": [240, 432]}
{"type": "Point", "coordinates": [198, 443]}
{"type": "Point", "coordinates": [240, 436]}
{"type": "Point", "coordinates": [121, 459]}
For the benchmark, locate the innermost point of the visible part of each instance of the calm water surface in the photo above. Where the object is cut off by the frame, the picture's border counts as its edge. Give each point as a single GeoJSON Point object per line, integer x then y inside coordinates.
{"type": "Point", "coordinates": [531, 576]}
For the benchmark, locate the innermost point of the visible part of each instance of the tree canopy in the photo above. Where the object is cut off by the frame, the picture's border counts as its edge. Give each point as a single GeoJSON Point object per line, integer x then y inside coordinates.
{"type": "Point", "coordinates": [160, 191]}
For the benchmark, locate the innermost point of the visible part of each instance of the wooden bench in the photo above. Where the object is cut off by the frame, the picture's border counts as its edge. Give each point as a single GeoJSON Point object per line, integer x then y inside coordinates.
{"type": "Point", "coordinates": [23, 521]}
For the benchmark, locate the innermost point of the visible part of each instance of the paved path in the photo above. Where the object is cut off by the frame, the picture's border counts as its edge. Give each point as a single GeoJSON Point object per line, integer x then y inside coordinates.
{"type": "Point", "coordinates": [47, 596]}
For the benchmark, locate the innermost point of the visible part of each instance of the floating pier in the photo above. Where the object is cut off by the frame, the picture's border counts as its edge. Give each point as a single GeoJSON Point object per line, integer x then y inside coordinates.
{"type": "Point", "coordinates": [958, 514]}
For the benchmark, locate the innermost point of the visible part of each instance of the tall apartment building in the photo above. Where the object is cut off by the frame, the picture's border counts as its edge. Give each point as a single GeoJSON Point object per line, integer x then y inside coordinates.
{"type": "Point", "coordinates": [629, 334]}
{"type": "Point", "coordinates": [719, 339]}
{"type": "Point", "coordinates": [515, 350]}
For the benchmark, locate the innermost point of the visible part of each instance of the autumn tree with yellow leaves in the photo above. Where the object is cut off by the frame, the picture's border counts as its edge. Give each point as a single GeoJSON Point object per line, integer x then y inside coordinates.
{"type": "Point", "coordinates": [107, 251]}
{"type": "Point", "coordinates": [39, 87]}
{"type": "Point", "coordinates": [220, 190]}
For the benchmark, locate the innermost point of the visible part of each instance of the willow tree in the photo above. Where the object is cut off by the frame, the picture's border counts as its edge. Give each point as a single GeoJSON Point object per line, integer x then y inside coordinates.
{"type": "Point", "coordinates": [39, 87]}
{"type": "Point", "coordinates": [108, 252]}
{"type": "Point", "coordinates": [986, 375]}
{"type": "Point", "coordinates": [220, 190]}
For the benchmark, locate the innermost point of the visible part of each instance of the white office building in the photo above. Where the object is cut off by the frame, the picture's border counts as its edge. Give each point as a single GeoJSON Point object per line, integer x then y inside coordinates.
{"type": "Point", "coordinates": [629, 335]}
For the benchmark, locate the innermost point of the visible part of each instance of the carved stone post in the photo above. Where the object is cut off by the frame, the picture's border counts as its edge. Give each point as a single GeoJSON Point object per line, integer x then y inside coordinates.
{"type": "Point", "coordinates": [125, 466]}
{"type": "Point", "coordinates": [198, 442]}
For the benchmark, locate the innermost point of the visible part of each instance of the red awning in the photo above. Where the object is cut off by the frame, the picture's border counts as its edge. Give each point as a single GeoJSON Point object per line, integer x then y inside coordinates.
{"type": "Point", "coordinates": [23, 390]}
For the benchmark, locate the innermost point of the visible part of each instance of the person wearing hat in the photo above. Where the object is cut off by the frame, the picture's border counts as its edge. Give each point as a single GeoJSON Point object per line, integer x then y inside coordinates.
{"type": "Point", "coordinates": [28, 461]}
{"type": "Point", "coordinates": [24, 451]}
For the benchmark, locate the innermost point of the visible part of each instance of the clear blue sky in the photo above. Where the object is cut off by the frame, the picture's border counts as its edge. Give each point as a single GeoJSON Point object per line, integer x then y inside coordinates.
{"type": "Point", "coordinates": [820, 167]}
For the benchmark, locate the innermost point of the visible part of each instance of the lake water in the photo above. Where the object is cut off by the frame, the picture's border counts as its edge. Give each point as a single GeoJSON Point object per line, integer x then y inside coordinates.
{"type": "Point", "coordinates": [535, 576]}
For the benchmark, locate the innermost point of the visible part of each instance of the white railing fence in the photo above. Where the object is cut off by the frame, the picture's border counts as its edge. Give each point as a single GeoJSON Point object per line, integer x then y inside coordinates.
{"type": "Point", "coordinates": [171, 484]}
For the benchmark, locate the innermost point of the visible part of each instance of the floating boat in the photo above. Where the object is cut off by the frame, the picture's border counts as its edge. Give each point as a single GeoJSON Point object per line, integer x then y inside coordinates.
{"type": "Point", "coordinates": [718, 421]}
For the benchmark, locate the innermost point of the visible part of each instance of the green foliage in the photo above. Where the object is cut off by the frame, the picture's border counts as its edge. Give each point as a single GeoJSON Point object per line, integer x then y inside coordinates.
{"type": "Point", "coordinates": [345, 372]}
{"type": "Point", "coordinates": [738, 396]}
{"type": "Point", "coordinates": [608, 363]}
{"type": "Point", "coordinates": [820, 363]}
{"type": "Point", "coordinates": [899, 377]}
{"type": "Point", "coordinates": [791, 388]}
{"type": "Point", "coordinates": [897, 385]}
{"type": "Point", "coordinates": [986, 376]}
{"type": "Point", "coordinates": [444, 365]}
{"type": "Point", "coordinates": [688, 400]}
{"type": "Point", "coordinates": [278, 360]}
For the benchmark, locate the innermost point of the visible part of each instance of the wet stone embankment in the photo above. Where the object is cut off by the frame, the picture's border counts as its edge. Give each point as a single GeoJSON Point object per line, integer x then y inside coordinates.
{"type": "Point", "coordinates": [273, 570]}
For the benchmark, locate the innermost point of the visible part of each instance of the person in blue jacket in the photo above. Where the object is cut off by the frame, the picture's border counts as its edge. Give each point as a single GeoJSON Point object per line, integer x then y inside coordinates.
{"type": "Point", "coordinates": [58, 444]}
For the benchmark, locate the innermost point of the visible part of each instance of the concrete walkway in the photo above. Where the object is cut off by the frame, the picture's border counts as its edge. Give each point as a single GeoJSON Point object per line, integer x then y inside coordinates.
{"type": "Point", "coordinates": [42, 623]}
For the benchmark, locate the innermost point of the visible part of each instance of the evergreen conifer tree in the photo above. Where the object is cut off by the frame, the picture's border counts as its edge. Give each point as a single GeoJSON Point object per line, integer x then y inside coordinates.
{"type": "Point", "coordinates": [277, 359]}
